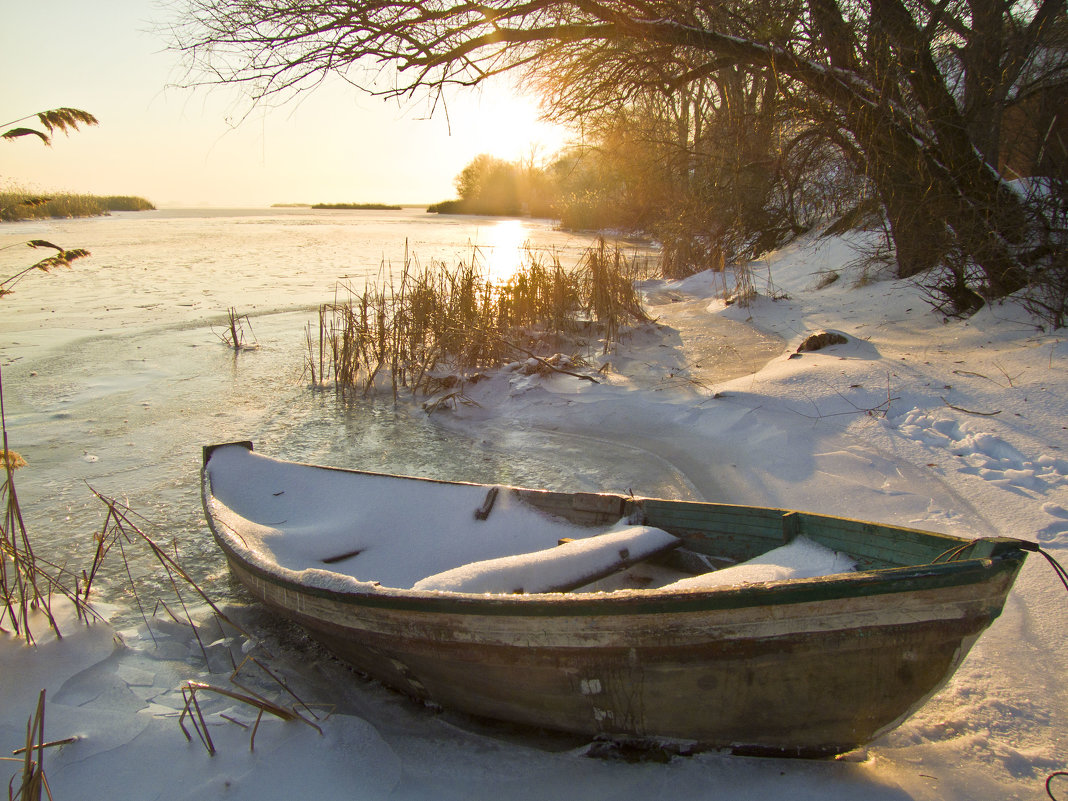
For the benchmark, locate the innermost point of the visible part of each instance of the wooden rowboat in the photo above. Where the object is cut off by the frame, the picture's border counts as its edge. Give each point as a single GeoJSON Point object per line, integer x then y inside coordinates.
{"type": "Point", "coordinates": [415, 582]}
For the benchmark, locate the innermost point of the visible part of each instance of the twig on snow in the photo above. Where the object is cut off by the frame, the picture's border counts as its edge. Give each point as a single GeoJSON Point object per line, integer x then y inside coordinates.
{"type": "Point", "coordinates": [969, 411]}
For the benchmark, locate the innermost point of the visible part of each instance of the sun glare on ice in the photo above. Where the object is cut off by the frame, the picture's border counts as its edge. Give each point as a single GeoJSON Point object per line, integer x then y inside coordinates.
{"type": "Point", "coordinates": [504, 250]}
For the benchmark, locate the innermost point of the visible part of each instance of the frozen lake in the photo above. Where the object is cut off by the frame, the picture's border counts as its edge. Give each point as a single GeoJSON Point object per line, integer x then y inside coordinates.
{"type": "Point", "coordinates": [115, 375]}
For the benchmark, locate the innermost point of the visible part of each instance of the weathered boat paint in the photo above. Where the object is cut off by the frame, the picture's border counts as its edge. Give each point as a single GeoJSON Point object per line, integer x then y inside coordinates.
{"type": "Point", "coordinates": [808, 667]}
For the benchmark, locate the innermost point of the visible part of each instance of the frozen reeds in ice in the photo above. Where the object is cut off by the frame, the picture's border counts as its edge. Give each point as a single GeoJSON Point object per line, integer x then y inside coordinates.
{"type": "Point", "coordinates": [121, 530]}
{"type": "Point", "coordinates": [233, 336]}
{"type": "Point", "coordinates": [33, 781]}
{"type": "Point", "coordinates": [431, 327]}
{"type": "Point", "coordinates": [192, 712]}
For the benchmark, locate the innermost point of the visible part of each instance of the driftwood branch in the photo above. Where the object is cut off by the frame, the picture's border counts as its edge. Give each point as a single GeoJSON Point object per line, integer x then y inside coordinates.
{"type": "Point", "coordinates": [969, 411]}
{"type": "Point", "coordinates": [544, 363]}
{"type": "Point", "coordinates": [51, 744]}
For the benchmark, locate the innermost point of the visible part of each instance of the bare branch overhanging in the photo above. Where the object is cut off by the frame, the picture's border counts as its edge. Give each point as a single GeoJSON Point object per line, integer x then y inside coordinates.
{"type": "Point", "coordinates": [879, 75]}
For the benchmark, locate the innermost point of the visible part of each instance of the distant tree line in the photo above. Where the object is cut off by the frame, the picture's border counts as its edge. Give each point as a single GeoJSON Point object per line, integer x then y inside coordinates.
{"type": "Point", "coordinates": [724, 127]}
{"type": "Point", "coordinates": [355, 206]}
{"type": "Point", "coordinates": [490, 185]}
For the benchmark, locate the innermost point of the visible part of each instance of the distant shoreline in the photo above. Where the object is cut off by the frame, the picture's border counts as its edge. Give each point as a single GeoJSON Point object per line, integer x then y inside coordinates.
{"type": "Point", "coordinates": [339, 206]}
{"type": "Point", "coordinates": [17, 206]}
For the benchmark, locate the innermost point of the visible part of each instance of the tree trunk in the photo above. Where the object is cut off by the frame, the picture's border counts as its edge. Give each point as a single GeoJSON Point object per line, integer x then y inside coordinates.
{"type": "Point", "coordinates": [920, 238]}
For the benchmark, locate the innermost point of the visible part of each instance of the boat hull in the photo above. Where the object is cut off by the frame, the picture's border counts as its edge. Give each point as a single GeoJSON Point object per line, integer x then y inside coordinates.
{"type": "Point", "coordinates": [807, 667]}
{"type": "Point", "coordinates": [809, 678]}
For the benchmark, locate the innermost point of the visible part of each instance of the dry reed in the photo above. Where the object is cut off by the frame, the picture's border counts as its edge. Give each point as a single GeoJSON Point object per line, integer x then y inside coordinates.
{"type": "Point", "coordinates": [33, 781]}
{"type": "Point", "coordinates": [234, 334]}
{"type": "Point", "coordinates": [120, 529]}
{"type": "Point", "coordinates": [27, 581]}
{"type": "Point", "coordinates": [61, 258]}
{"type": "Point", "coordinates": [192, 711]}
{"type": "Point", "coordinates": [428, 331]}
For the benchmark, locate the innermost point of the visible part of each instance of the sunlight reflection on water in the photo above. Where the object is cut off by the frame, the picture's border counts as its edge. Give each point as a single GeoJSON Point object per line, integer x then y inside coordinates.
{"type": "Point", "coordinates": [504, 251]}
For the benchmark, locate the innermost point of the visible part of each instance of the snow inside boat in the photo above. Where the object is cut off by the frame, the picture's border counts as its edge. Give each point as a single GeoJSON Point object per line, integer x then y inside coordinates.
{"type": "Point", "coordinates": [752, 629]}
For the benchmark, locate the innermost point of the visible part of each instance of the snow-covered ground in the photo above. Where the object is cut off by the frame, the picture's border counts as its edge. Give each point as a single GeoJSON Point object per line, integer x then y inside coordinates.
{"type": "Point", "coordinates": [949, 425]}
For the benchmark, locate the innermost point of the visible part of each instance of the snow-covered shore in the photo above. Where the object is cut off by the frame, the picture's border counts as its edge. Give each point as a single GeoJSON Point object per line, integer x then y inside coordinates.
{"type": "Point", "coordinates": [949, 425]}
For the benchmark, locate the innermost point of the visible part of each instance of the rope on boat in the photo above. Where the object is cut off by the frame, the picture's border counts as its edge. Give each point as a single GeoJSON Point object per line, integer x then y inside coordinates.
{"type": "Point", "coordinates": [1062, 574]}
{"type": "Point", "coordinates": [1049, 780]}
{"type": "Point", "coordinates": [1058, 568]}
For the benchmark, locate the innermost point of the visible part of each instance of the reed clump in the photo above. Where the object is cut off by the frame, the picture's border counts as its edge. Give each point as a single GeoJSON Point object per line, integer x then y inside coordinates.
{"type": "Point", "coordinates": [433, 328]}
{"type": "Point", "coordinates": [18, 205]}
{"type": "Point", "coordinates": [234, 334]}
{"type": "Point", "coordinates": [356, 206]}
{"type": "Point", "coordinates": [127, 203]}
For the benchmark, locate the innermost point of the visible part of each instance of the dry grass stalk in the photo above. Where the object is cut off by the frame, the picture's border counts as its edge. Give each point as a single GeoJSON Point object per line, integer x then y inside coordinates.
{"type": "Point", "coordinates": [27, 582]}
{"type": "Point", "coordinates": [234, 335]}
{"type": "Point", "coordinates": [432, 327]}
{"type": "Point", "coordinates": [195, 715]}
{"type": "Point", "coordinates": [199, 724]}
{"type": "Point", "coordinates": [58, 119]}
{"type": "Point", "coordinates": [61, 258]}
{"type": "Point", "coordinates": [120, 529]}
{"type": "Point", "coordinates": [49, 744]}
{"type": "Point", "coordinates": [285, 687]}
{"type": "Point", "coordinates": [33, 781]}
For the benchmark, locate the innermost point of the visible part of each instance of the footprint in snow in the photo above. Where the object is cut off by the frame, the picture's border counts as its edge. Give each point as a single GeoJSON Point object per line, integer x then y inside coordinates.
{"type": "Point", "coordinates": [1057, 531]}
{"type": "Point", "coordinates": [1054, 532]}
{"type": "Point", "coordinates": [1056, 510]}
{"type": "Point", "coordinates": [983, 453]}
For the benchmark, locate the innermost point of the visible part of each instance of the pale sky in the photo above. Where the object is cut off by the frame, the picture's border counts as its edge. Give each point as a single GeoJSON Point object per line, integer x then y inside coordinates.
{"type": "Point", "coordinates": [178, 147]}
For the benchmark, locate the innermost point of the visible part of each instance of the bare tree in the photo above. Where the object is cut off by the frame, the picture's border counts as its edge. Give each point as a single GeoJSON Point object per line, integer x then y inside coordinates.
{"type": "Point", "coordinates": [911, 91]}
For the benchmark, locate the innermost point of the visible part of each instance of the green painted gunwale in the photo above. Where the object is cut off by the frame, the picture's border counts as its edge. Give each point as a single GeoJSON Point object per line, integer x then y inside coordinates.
{"type": "Point", "coordinates": [758, 528]}
{"type": "Point", "coordinates": [851, 585]}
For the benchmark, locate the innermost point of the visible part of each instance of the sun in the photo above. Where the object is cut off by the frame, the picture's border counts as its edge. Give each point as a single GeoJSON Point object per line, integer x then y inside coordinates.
{"type": "Point", "coordinates": [501, 121]}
